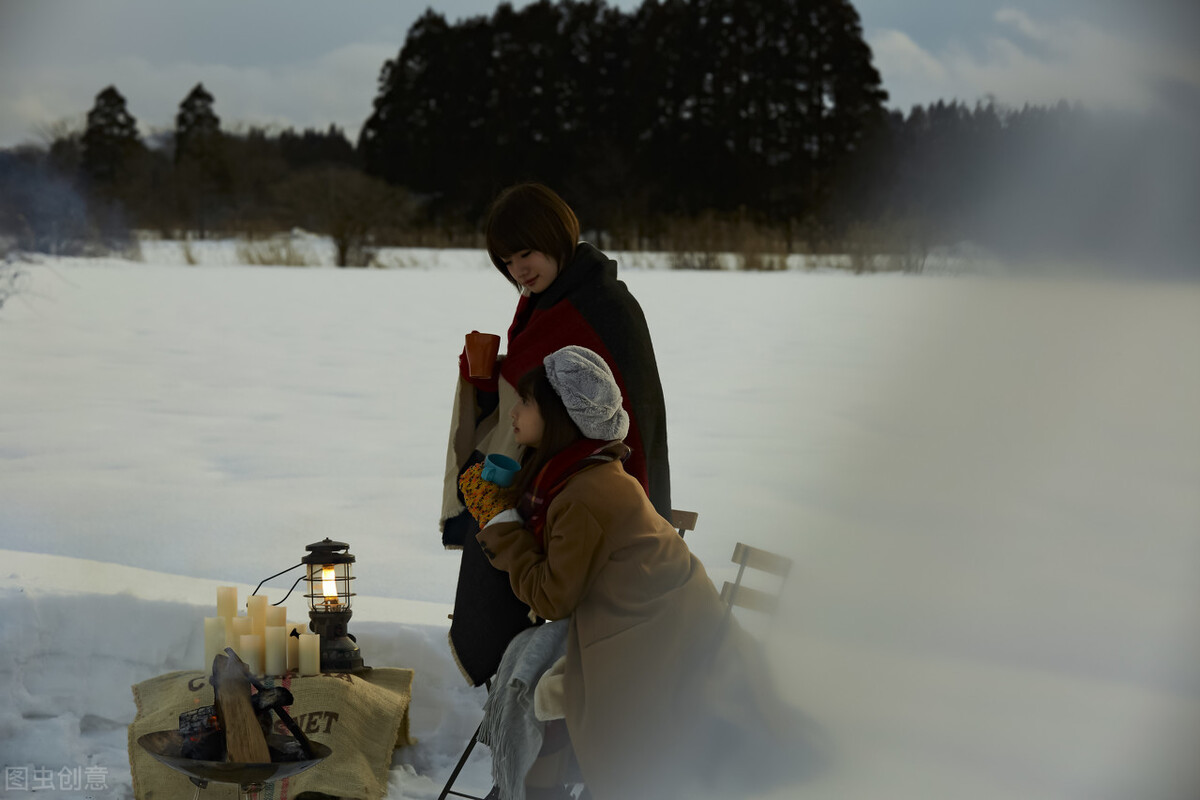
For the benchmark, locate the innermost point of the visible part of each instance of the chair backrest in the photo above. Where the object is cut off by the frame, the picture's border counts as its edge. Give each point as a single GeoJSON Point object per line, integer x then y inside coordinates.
{"type": "Point", "coordinates": [684, 521]}
{"type": "Point", "coordinates": [747, 557]}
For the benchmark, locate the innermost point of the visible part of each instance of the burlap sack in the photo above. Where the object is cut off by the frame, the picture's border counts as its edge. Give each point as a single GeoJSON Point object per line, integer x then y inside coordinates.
{"type": "Point", "coordinates": [362, 718]}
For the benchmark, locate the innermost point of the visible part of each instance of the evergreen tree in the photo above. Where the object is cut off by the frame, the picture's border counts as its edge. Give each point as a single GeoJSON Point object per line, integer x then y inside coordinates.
{"type": "Point", "coordinates": [115, 169]}
{"type": "Point", "coordinates": [755, 103]}
{"type": "Point", "coordinates": [110, 142]}
{"type": "Point", "coordinates": [597, 170]}
{"type": "Point", "coordinates": [197, 127]}
{"type": "Point", "coordinates": [467, 108]}
{"type": "Point", "coordinates": [201, 174]}
{"type": "Point", "coordinates": [844, 106]}
{"type": "Point", "coordinates": [399, 141]}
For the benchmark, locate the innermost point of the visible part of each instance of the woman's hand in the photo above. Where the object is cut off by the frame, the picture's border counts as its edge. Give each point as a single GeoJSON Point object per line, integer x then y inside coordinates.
{"type": "Point", "coordinates": [489, 384]}
{"type": "Point", "coordinates": [483, 499]}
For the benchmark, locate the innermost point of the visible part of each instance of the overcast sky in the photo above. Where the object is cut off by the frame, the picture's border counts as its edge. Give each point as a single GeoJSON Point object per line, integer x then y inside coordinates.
{"type": "Point", "coordinates": [309, 63]}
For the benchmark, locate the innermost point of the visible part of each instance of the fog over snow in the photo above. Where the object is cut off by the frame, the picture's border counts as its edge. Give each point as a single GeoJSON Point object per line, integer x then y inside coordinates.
{"type": "Point", "coordinates": [989, 486]}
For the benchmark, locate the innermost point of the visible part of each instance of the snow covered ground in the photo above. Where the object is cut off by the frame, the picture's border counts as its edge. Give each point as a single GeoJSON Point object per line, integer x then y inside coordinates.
{"type": "Point", "coordinates": [991, 488]}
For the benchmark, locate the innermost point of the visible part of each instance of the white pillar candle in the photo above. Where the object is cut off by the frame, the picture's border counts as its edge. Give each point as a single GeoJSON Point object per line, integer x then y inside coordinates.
{"type": "Point", "coordinates": [256, 608]}
{"type": "Point", "coordinates": [239, 627]}
{"type": "Point", "coordinates": [310, 654]}
{"type": "Point", "coordinates": [276, 616]}
{"type": "Point", "coordinates": [293, 644]}
{"type": "Point", "coordinates": [275, 655]}
{"type": "Point", "coordinates": [251, 651]}
{"type": "Point", "coordinates": [226, 601]}
{"type": "Point", "coordinates": [214, 640]}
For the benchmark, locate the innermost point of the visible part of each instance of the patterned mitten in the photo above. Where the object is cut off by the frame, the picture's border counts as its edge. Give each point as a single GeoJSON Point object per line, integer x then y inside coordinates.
{"type": "Point", "coordinates": [483, 499]}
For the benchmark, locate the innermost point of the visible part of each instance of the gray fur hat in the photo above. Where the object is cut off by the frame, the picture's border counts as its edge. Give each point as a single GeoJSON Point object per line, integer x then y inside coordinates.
{"type": "Point", "coordinates": [589, 391]}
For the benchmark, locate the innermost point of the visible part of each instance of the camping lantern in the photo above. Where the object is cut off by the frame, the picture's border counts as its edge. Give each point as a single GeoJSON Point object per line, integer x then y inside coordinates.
{"type": "Point", "coordinates": [329, 574]}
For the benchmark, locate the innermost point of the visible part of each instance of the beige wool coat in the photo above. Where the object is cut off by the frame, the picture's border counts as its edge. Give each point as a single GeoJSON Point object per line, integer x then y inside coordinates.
{"type": "Point", "coordinates": [646, 625]}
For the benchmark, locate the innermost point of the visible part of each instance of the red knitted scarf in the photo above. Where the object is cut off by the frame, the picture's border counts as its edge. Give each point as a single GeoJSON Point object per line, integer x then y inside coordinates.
{"type": "Point", "coordinates": [555, 474]}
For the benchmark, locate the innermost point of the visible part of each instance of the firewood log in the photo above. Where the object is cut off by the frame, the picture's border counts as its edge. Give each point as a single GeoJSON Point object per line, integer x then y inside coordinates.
{"type": "Point", "coordinates": [244, 740]}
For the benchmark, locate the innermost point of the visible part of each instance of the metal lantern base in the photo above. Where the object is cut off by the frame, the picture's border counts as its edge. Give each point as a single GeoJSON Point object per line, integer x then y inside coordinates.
{"type": "Point", "coordinates": [339, 651]}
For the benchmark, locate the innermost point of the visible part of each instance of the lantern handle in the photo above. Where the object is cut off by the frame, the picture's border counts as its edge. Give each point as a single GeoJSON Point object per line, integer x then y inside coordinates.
{"type": "Point", "coordinates": [276, 575]}
{"type": "Point", "coordinates": [289, 591]}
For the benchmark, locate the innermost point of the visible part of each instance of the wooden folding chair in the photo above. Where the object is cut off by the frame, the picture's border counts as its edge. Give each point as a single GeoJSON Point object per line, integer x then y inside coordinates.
{"type": "Point", "coordinates": [462, 760]}
{"type": "Point", "coordinates": [683, 521]}
{"type": "Point", "coordinates": [747, 557]}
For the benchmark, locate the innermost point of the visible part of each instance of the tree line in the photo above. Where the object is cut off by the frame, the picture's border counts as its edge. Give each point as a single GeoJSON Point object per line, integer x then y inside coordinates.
{"type": "Point", "coordinates": [664, 127]}
{"type": "Point", "coordinates": [88, 189]}
{"type": "Point", "coordinates": [672, 110]}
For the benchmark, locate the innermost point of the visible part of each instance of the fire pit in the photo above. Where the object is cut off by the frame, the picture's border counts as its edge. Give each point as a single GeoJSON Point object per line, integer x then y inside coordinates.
{"type": "Point", "coordinates": [232, 741]}
{"type": "Point", "coordinates": [167, 747]}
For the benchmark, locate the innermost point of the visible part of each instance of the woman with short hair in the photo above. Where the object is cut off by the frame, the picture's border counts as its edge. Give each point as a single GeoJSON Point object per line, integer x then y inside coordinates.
{"type": "Point", "coordinates": [569, 295]}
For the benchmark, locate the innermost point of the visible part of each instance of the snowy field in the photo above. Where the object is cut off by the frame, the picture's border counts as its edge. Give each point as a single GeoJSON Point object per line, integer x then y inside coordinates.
{"type": "Point", "coordinates": [991, 488]}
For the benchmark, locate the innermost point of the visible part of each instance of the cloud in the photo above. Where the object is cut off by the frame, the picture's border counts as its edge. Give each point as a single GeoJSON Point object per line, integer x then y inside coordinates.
{"type": "Point", "coordinates": [1024, 58]}
{"type": "Point", "coordinates": [1024, 24]}
{"type": "Point", "coordinates": [904, 57]}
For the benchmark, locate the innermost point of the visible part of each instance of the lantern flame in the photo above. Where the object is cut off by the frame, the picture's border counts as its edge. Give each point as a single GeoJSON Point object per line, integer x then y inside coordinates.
{"type": "Point", "coordinates": [329, 585]}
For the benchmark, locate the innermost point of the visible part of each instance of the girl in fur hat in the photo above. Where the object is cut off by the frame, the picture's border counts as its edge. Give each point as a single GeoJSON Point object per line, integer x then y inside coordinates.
{"type": "Point", "coordinates": [658, 681]}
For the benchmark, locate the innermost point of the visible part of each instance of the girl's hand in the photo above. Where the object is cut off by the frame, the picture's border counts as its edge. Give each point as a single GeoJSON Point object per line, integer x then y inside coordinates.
{"type": "Point", "coordinates": [483, 499]}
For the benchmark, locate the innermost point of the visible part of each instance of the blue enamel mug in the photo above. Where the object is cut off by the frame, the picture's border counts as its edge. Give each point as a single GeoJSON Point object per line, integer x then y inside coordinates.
{"type": "Point", "coordinates": [500, 469]}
